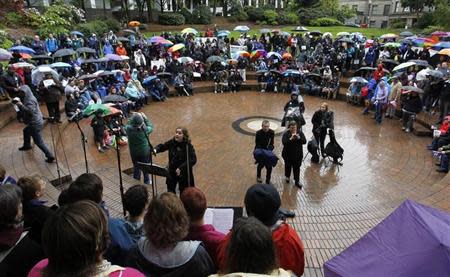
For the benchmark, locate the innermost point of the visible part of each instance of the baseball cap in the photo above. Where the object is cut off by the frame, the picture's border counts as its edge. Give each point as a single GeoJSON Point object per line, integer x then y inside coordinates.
{"type": "Point", "coordinates": [263, 202]}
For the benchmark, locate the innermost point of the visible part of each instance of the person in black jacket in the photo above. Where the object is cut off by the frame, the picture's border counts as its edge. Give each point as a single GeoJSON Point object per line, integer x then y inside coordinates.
{"type": "Point", "coordinates": [293, 140]}
{"type": "Point", "coordinates": [291, 112]}
{"type": "Point", "coordinates": [322, 120]}
{"type": "Point", "coordinates": [18, 252]}
{"type": "Point", "coordinates": [50, 91]}
{"type": "Point", "coordinates": [412, 105]}
{"type": "Point", "coordinates": [264, 139]}
{"type": "Point", "coordinates": [182, 158]}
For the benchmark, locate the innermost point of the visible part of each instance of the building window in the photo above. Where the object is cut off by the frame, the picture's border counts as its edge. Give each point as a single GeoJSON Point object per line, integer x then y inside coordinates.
{"type": "Point", "coordinates": [384, 24]}
{"type": "Point", "coordinates": [396, 7]}
{"type": "Point", "coordinates": [372, 23]}
{"type": "Point", "coordinates": [387, 10]}
{"type": "Point", "coordinates": [355, 7]}
{"type": "Point", "coordinates": [375, 9]}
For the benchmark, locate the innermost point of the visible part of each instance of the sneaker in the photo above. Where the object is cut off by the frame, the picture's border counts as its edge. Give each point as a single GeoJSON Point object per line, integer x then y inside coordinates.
{"type": "Point", "coordinates": [440, 170]}
{"type": "Point", "coordinates": [299, 185]}
{"type": "Point", "coordinates": [101, 150]}
{"type": "Point", "coordinates": [258, 180]}
{"type": "Point", "coordinates": [286, 180]}
{"type": "Point", "coordinates": [215, 91]}
{"type": "Point", "coordinates": [49, 160]}
{"type": "Point", "coordinates": [408, 130]}
{"type": "Point", "coordinates": [403, 128]}
{"type": "Point", "coordinates": [25, 148]}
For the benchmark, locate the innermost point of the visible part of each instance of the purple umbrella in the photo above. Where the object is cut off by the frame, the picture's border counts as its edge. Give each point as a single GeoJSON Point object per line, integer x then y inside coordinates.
{"type": "Point", "coordinates": [5, 55]}
{"type": "Point", "coordinates": [412, 241]}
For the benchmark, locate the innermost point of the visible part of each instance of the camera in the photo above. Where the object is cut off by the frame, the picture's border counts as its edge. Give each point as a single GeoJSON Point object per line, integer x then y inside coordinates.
{"type": "Point", "coordinates": [15, 100]}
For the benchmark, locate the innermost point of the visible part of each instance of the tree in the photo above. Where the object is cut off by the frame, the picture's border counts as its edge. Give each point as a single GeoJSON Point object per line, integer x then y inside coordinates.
{"type": "Point", "coordinates": [149, 9]}
{"type": "Point", "coordinates": [331, 7]}
{"type": "Point", "coordinates": [441, 13]}
{"type": "Point", "coordinates": [417, 6]}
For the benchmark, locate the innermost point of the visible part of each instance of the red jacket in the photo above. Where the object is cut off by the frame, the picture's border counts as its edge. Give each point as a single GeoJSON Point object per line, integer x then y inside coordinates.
{"type": "Point", "coordinates": [288, 246]}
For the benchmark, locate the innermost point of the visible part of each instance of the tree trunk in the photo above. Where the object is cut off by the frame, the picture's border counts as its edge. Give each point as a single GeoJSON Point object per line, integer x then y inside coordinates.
{"type": "Point", "coordinates": [104, 9]}
{"type": "Point", "coordinates": [149, 10]}
{"type": "Point", "coordinates": [161, 5]}
{"type": "Point", "coordinates": [214, 7]}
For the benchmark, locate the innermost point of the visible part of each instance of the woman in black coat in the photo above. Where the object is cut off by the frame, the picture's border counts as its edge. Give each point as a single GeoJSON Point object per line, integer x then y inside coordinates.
{"type": "Point", "coordinates": [293, 140]}
{"type": "Point", "coordinates": [322, 120]}
{"type": "Point", "coordinates": [181, 160]}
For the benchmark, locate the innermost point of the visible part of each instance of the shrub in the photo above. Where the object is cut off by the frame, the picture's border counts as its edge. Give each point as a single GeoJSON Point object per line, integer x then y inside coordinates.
{"type": "Point", "coordinates": [112, 24]}
{"type": "Point", "coordinates": [271, 16]}
{"type": "Point", "coordinates": [397, 23]}
{"type": "Point", "coordinates": [14, 19]}
{"type": "Point", "coordinates": [202, 15]}
{"type": "Point", "coordinates": [306, 15]}
{"type": "Point", "coordinates": [431, 29]}
{"type": "Point", "coordinates": [288, 18]}
{"type": "Point", "coordinates": [5, 42]}
{"type": "Point", "coordinates": [97, 26]}
{"type": "Point", "coordinates": [325, 21]}
{"type": "Point", "coordinates": [187, 15]}
{"type": "Point", "coordinates": [239, 15]}
{"type": "Point", "coordinates": [171, 19]}
{"type": "Point", "coordinates": [254, 14]}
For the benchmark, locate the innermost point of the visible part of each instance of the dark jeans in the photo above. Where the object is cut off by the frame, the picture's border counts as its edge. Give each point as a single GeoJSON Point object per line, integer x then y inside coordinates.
{"type": "Point", "coordinates": [444, 162]}
{"type": "Point", "coordinates": [136, 171]}
{"type": "Point", "coordinates": [182, 181]}
{"type": "Point", "coordinates": [35, 133]}
{"type": "Point", "coordinates": [295, 166]}
{"type": "Point", "coordinates": [268, 172]}
{"type": "Point", "coordinates": [408, 119]}
{"type": "Point", "coordinates": [444, 109]}
{"type": "Point", "coordinates": [378, 112]}
{"type": "Point", "coordinates": [320, 136]}
{"type": "Point", "coordinates": [53, 111]}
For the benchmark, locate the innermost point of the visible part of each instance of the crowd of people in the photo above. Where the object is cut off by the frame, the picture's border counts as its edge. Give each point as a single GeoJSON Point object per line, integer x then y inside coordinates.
{"type": "Point", "coordinates": [162, 236]}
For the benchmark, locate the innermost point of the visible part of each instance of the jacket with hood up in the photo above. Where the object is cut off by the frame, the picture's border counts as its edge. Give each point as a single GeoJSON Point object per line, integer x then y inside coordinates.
{"type": "Point", "coordinates": [32, 115]}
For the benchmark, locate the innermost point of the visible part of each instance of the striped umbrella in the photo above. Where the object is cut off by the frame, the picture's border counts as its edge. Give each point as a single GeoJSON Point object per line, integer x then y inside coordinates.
{"type": "Point", "coordinates": [189, 31]}
{"type": "Point", "coordinates": [258, 53]}
{"type": "Point", "coordinates": [176, 47]}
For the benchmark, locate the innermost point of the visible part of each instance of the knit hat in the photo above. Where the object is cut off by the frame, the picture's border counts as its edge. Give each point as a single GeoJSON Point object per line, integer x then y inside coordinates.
{"type": "Point", "coordinates": [136, 120]}
{"type": "Point", "coordinates": [263, 202]}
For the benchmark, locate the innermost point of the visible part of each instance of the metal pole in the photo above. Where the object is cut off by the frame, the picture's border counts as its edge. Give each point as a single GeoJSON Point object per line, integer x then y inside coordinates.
{"type": "Point", "coordinates": [83, 143]}
{"type": "Point", "coordinates": [120, 171]}
{"type": "Point", "coordinates": [56, 156]}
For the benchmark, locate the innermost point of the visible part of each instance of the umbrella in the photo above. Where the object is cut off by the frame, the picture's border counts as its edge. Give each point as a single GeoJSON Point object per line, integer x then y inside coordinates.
{"type": "Point", "coordinates": [261, 72]}
{"type": "Point", "coordinates": [327, 34]}
{"type": "Point", "coordinates": [96, 108]}
{"type": "Point", "coordinates": [124, 39]}
{"type": "Point", "coordinates": [60, 65]}
{"type": "Point", "coordinates": [313, 75]}
{"type": "Point", "coordinates": [176, 47]}
{"type": "Point", "coordinates": [213, 59]}
{"type": "Point", "coordinates": [366, 68]}
{"type": "Point", "coordinates": [439, 33]}
{"type": "Point", "coordinates": [155, 39]}
{"type": "Point", "coordinates": [39, 72]}
{"type": "Point", "coordinates": [300, 29]}
{"type": "Point", "coordinates": [25, 56]}
{"type": "Point", "coordinates": [444, 52]}
{"type": "Point", "coordinates": [165, 42]}
{"type": "Point", "coordinates": [434, 73]}
{"type": "Point", "coordinates": [164, 74]}
{"type": "Point", "coordinates": [276, 30]}
{"type": "Point", "coordinates": [277, 55]}
{"type": "Point", "coordinates": [5, 55]}
{"type": "Point", "coordinates": [114, 98]}
{"type": "Point", "coordinates": [22, 49]}
{"type": "Point", "coordinates": [342, 34]}
{"type": "Point", "coordinates": [104, 73]}
{"type": "Point", "coordinates": [264, 31]}
{"type": "Point", "coordinates": [185, 60]}
{"type": "Point", "coordinates": [441, 45]}
{"type": "Point", "coordinates": [124, 58]}
{"type": "Point", "coordinates": [315, 33]}
{"type": "Point", "coordinates": [392, 45]}
{"type": "Point", "coordinates": [346, 40]}
{"type": "Point", "coordinates": [149, 79]}
{"type": "Point", "coordinates": [389, 61]}
{"type": "Point", "coordinates": [406, 34]}
{"type": "Point", "coordinates": [134, 23]}
{"type": "Point", "coordinates": [385, 36]}
{"type": "Point", "coordinates": [23, 65]}
{"type": "Point", "coordinates": [287, 56]}
{"type": "Point", "coordinates": [242, 29]}
{"type": "Point", "coordinates": [291, 72]}
{"type": "Point", "coordinates": [88, 77]}
{"type": "Point", "coordinates": [63, 52]}
{"type": "Point", "coordinates": [420, 63]}
{"type": "Point", "coordinates": [358, 80]}
{"type": "Point", "coordinates": [91, 61]}
{"type": "Point", "coordinates": [412, 88]}
{"type": "Point", "coordinates": [77, 33]}
{"type": "Point", "coordinates": [285, 34]}
{"type": "Point", "coordinates": [223, 33]}
{"type": "Point", "coordinates": [115, 71]}
{"type": "Point", "coordinates": [113, 57]}
{"type": "Point", "coordinates": [403, 65]}
{"type": "Point", "coordinates": [242, 54]}
{"type": "Point", "coordinates": [86, 50]}
{"type": "Point", "coordinates": [258, 53]}
{"type": "Point", "coordinates": [189, 31]}
{"type": "Point", "coordinates": [41, 57]}
{"type": "Point", "coordinates": [129, 31]}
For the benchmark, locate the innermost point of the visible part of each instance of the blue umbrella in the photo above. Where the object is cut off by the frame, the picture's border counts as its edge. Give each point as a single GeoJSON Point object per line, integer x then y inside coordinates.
{"type": "Point", "coordinates": [155, 39]}
{"type": "Point", "coordinates": [242, 29]}
{"type": "Point", "coordinates": [441, 45]}
{"type": "Point", "coordinates": [77, 33]}
{"type": "Point", "coordinates": [223, 33]}
{"type": "Point", "coordinates": [22, 49]}
{"type": "Point", "coordinates": [148, 80]}
{"type": "Point", "coordinates": [290, 72]}
{"type": "Point", "coordinates": [60, 65]}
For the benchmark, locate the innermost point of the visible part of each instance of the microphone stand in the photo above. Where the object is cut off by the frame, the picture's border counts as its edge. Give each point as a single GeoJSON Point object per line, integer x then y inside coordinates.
{"type": "Point", "coordinates": [152, 176]}
{"type": "Point", "coordinates": [83, 143]}
{"type": "Point", "coordinates": [55, 154]}
{"type": "Point", "coordinates": [117, 133]}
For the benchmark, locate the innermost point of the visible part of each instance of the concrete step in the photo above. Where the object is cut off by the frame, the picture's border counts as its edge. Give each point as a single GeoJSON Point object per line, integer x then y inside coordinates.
{"type": "Point", "coordinates": [422, 131]}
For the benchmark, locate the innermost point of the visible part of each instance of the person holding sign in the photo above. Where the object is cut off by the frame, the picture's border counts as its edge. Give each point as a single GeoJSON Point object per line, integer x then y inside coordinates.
{"type": "Point", "coordinates": [182, 158]}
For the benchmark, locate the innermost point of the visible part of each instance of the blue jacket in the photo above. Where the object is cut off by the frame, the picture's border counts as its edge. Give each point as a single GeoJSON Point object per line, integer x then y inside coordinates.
{"type": "Point", "coordinates": [51, 45]}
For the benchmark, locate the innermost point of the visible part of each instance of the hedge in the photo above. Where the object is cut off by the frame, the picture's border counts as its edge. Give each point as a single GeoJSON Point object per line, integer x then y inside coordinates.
{"type": "Point", "coordinates": [171, 19]}
{"type": "Point", "coordinates": [325, 21]}
{"type": "Point", "coordinates": [202, 15]}
{"type": "Point", "coordinates": [254, 14]}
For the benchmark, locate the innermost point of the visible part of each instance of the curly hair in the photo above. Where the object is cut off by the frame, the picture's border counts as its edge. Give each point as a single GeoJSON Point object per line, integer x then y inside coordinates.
{"type": "Point", "coordinates": [166, 221]}
{"type": "Point", "coordinates": [185, 132]}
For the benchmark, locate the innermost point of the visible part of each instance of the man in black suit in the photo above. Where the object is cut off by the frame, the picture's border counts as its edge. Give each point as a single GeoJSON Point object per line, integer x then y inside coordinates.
{"type": "Point", "coordinates": [264, 140]}
{"type": "Point", "coordinates": [409, 54]}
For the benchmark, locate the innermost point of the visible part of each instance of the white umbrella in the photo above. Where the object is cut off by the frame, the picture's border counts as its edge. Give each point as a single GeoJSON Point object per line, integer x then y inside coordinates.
{"type": "Point", "coordinates": [39, 72]}
{"type": "Point", "coordinates": [60, 65]}
{"type": "Point", "coordinates": [242, 29]}
{"type": "Point", "coordinates": [185, 60]}
{"type": "Point", "coordinates": [23, 65]}
{"type": "Point", "coordinates": [403, 65]}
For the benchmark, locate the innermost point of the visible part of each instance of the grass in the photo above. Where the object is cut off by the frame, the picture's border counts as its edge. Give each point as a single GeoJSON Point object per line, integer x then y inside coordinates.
{"type": "Point", "coordinates": [368, 32]}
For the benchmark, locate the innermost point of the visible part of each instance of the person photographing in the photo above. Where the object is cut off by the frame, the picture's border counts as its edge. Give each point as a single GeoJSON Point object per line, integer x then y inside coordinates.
{"type": "Point", "coordinates": [293, 140]}
{"type": "Point", "coordinates": [182, 158]}
{"type": "Point", "coordinates": [138, 129]}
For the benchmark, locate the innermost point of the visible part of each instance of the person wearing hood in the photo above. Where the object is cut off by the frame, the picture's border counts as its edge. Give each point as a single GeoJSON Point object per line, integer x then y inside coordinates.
{"type": "Point", "coordinates": [138, 129]}
{"type": "Point", "coordinates": [412, 105]}
{"type": "Point", "coordinates": [380, 99]}
{"type": "Point", "coordinates": [293, 140]}
{"type": "Point", "coordinates": [132, 93]}
{"type": "Point", "coordinates": [263, 202]}
{"type": "Point", "coordinates": [107, 48]}
{"type": "Point", "coordinates": [32, 117]}
{"type": "Point", "coordinates": [296, 102]}
{"type": "Point", "coordinates": [125, 233]}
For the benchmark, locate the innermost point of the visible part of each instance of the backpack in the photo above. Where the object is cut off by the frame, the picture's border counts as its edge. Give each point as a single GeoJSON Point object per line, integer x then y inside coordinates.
{"type": "Point", "coordinates": [333, 149]}
{"type": "Point", "coordinates": [313, 148]}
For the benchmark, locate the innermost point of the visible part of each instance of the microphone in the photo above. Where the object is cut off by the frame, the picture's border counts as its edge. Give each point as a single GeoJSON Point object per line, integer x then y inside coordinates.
{"type": "Point", "coordinates": [48, 118]}
{"type": "Point", "coordinates": [74, 115]}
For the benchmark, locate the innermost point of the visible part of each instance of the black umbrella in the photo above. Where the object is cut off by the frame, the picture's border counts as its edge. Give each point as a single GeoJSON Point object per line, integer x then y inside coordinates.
{"type": "Point", "coordinates": [314, 75]}
{"type": "Point", "coordinates": [420, 63]}
{"type": "Point", "coordinates": [63, 52]}
{"type": "Point", "coordinates": [412, 88]}
{"type": "Point", "coordinates": [114, 98]}
{"type": "Point", "coordinates": [261, 72]}
{"type": "Point", "coordinates": [122, 39]}
{"type": "Point", "coordinates": [300, 29]}
{"type": "Point", "coordinates": [366, 68]}
{"type": "Point", "coordinates": [389, 61]}
{"type": "Point", "coordinates": [315, 33]}
{"type": "Point", "coordinates": [164, 74]}
{"type": "Point", "coordinates": [86, 50]}
{"type": "Point", "coordinates": [347, 40]}
{"type": "Point", "coordinates": [41, 57]}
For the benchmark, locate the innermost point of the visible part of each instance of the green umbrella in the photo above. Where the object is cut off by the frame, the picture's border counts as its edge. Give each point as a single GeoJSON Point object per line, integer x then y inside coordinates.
{"type": "Point", "coordinates": [94, 108]}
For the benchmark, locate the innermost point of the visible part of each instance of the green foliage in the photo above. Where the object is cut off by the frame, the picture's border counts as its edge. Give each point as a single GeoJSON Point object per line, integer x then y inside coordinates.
{"type": "Point", "coordinates": [202, 15]}
{"type": "Point", "coordinates": [239, 15]}
{"type": "Point", "coordinates": [5, 42]}
{"type": "Point", "coordinates": [325, 21]}
{"type": "Point", "coordinates": [286, 17]}
{"type": "Point", "coordinates": [187, 15]}
{"type": "Point", "coordinates": [442, 14]}
{"type": "Point", "coordinates": [425, 20]}
{"type": "Point", "coordinates": [416, 5]}
{"type": "Point", "coordinates": [14, 19]}
{"type": "Point", "coordinates": [431, 29]}
{"type": "Point", "coordinates": [397, 23]}
{"type": "Point", "coordinates": [306, 15]}
{"type": "Point", "coordinates": [254, 14]}
{"type": "Point", "coordinates": [98, 27]}
{"type": "Point", "coordinates": [271, 16]}
{"type": "Point", "coordinates": [345, 12]}
{"type": "Point", "coordinates": [112, 24]}
{"type": "Point", "coordinates": [171, 19]}
{"type": "Point", "coordinates": [330, 7]}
